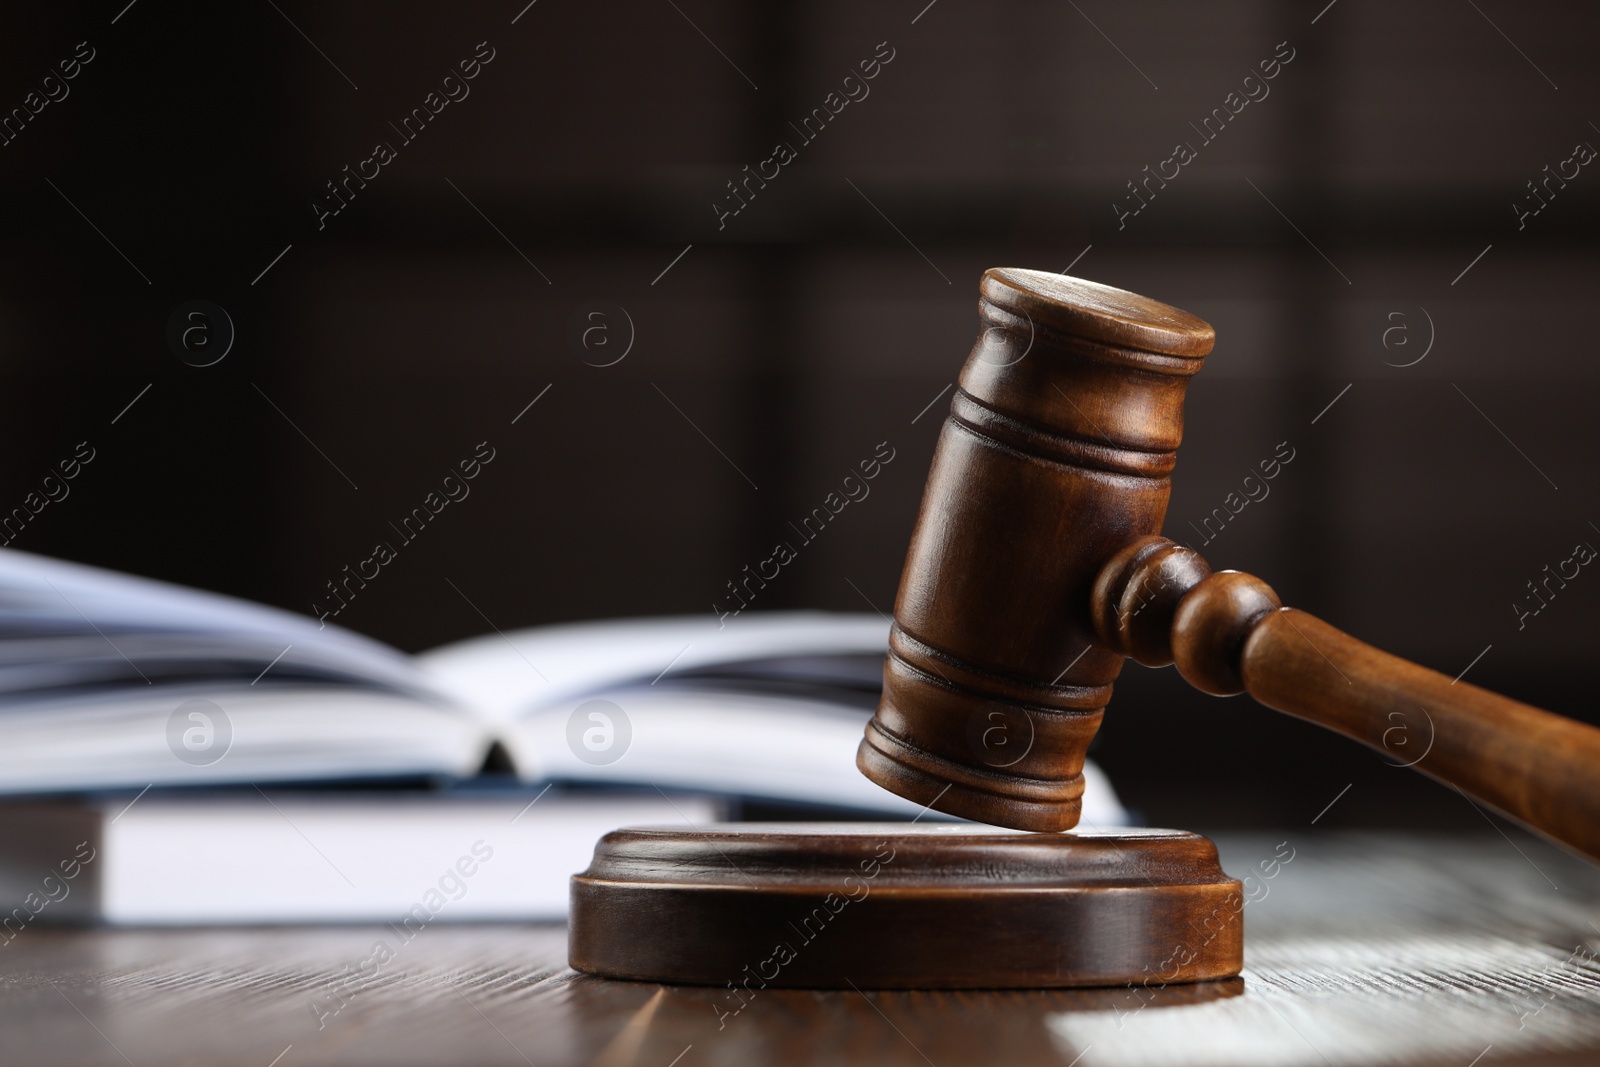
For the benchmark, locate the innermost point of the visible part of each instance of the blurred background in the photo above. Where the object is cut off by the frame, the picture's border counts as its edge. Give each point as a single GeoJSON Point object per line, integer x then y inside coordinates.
{"type": "Point", "coordinates": [1392, 298]}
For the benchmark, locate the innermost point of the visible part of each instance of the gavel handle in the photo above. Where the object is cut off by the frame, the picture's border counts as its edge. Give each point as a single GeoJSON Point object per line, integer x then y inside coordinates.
{"type": "Point", "coordinates": [1538, 768]}
{"type": "Point", "coordinates": [1227, 632]}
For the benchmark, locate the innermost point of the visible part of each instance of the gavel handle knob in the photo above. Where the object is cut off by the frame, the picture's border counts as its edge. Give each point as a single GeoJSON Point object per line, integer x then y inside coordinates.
{"type": "Point", "coordinates": [1227, 633]}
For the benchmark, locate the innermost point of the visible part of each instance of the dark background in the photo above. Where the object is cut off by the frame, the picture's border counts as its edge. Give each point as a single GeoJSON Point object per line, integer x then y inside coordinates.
{"type": "Point", "coordinates": [821, 320]}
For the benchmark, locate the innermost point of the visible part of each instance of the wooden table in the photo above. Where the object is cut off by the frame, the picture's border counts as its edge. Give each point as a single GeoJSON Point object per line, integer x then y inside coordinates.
{"type": "Point", "coordinates": [1360, 949]}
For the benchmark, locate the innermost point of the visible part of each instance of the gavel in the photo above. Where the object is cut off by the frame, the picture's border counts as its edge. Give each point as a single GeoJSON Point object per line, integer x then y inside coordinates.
{"type": "Point", "coordinates": [1036, 567]}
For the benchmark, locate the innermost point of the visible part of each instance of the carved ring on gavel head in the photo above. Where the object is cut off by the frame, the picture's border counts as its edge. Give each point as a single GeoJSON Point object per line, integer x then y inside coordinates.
{"type": "Point", "coordinates": [1036, 567]}
{"type": "Point", "coordinates": [1159, 603]}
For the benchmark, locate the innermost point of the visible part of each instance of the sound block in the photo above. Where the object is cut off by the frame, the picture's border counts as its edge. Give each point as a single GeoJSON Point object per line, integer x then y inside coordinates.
{"type": "Point", "coordinates": [904, 906]}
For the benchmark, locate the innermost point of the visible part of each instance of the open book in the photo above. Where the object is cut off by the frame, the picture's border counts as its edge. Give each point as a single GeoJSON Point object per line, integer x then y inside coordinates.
{"type": "Point", "coordinates": [111, 682]}
{"type": "Point", "coordinates": [169, 756]}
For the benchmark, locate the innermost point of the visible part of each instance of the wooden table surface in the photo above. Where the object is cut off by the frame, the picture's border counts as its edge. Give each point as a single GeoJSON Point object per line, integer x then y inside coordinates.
{"type": "Point", "coordinates": [1360, 949]}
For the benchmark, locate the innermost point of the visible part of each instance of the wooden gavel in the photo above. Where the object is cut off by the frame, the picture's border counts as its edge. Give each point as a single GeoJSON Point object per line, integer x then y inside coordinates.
{"type": "Point", "coordinates": [1036, 567]}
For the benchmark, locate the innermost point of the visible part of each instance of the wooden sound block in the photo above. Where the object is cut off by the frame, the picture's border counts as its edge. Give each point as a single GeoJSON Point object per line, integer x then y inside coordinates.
{"type": "Point", "coordinates": [904, 906]}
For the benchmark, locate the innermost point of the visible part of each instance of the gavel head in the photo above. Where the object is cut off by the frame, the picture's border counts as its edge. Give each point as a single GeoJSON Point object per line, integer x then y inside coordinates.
{"type": "Point", "coordinates": [1056, 456]}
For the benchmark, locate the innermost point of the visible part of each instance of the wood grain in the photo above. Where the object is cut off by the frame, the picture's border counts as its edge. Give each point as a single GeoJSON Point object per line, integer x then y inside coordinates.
{"type": "Point", "coordinates": [1379, 949]}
